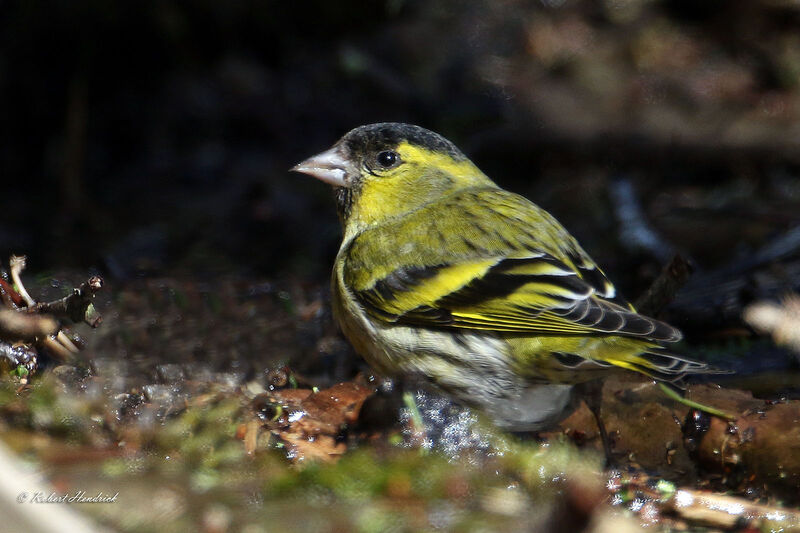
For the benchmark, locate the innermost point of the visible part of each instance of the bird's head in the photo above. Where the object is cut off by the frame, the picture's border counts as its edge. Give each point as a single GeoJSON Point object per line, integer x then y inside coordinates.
{"type": "Point", "coordinates": [385, 170]}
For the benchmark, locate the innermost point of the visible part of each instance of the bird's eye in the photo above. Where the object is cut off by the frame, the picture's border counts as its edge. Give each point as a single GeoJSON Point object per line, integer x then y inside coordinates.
{"type": "Point", "coordinates": [388, 159]}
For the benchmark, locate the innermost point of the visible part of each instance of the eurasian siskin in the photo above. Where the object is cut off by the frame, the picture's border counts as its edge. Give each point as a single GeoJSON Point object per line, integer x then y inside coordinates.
{"type": "Point", "coordinates": [442, 275]}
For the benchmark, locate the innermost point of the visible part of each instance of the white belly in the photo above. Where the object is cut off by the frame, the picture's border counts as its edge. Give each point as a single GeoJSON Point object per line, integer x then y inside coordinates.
{"type": "Point", "coordinates": [471, 367]}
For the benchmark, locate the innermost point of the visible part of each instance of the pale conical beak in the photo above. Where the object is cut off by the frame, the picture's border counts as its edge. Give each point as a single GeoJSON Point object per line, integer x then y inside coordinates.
{"type": "Point", "coordinates": [328, 166]}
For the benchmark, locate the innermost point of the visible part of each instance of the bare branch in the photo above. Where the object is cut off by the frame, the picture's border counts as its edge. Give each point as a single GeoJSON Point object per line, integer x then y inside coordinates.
{"type": "Point", "coordinates": [17, 265]}
{"type": "Point", "coordinates": [662, 291]}
{"type": "Point", "coordinates": [56, 348]}
{"type": "Point", "coordinates": [77, 306]}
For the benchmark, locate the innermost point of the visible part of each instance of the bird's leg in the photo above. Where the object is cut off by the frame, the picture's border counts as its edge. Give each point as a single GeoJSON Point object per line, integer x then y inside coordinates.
{"type": "Point", "coordinates": [593, 396]}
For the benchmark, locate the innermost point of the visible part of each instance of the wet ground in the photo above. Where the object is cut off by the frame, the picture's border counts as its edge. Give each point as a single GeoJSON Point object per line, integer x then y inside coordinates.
{"type": "Point", "coordinates": [220, 411]}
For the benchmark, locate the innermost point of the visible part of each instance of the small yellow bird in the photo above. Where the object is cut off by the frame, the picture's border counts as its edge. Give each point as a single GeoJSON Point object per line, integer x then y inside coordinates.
{"type": "Point", "coordinates": [442, 275]}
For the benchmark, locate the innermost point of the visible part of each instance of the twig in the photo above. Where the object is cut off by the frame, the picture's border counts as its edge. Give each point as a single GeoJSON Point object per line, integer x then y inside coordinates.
{"type": "Point", "coordinates": [76, 306]}
{"type": "Point", "coordinates": [719, 295]}
{"type": "Point", "coordinates": [662, 291]}
{"type": "Point", "coordinates": [66, 342]}
{"type": "Point", "coordinates": [56, 348]}
{"type": "Point", "coordinates": [9, 297]}
{"type": "Point", "coordinates": [635, 231]}
{"type": "Point", "coordinates": [17, 265]}
{"type": "Point", "coordinates": [779, 248]}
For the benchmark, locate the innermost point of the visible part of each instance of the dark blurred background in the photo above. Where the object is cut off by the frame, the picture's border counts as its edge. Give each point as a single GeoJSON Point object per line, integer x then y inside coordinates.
{"type": "Point", "coordinates": [154, 137]}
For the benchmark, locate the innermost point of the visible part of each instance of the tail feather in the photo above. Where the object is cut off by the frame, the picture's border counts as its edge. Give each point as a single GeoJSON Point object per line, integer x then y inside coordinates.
{"type": "Point", "coordinates": [668, 367]}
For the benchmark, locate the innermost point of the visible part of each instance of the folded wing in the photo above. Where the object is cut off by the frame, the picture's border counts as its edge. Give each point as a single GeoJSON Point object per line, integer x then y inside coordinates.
{"type": "Point", "coordinates": [528, 293]}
